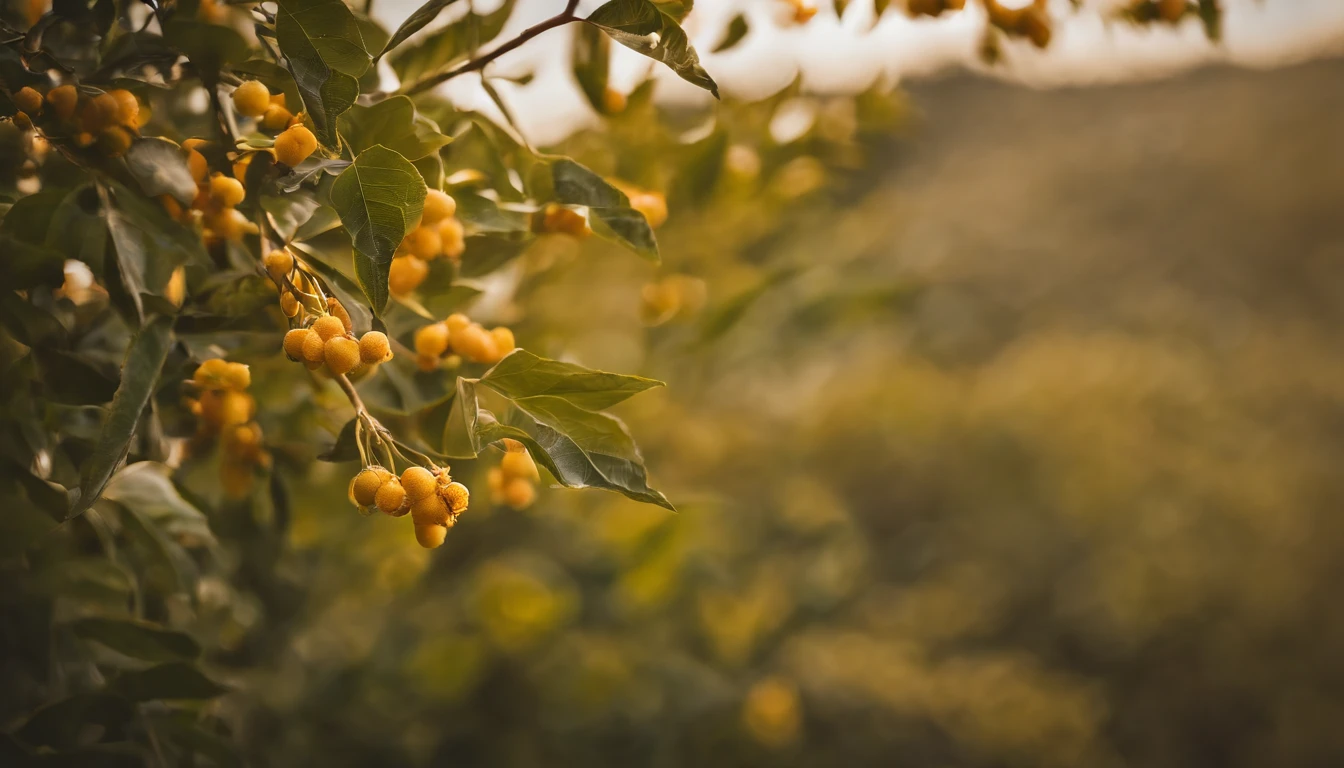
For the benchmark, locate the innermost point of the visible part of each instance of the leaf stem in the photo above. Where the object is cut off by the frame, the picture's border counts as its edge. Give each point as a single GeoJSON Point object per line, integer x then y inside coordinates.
{"type": "Point", "coordinates": [558, 20]}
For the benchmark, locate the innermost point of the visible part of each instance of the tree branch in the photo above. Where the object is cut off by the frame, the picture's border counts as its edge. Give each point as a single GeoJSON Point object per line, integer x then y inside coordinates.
{"type": "Point", "coordinates": [558, 20]}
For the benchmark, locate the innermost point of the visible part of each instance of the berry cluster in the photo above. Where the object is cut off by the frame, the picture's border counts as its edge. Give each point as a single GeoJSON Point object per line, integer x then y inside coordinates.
{"type": "Point", "coordinates": [217, 198]}
{"type": "Point", "coordinates": [438, 234]}
{"type": "Point", "coordinates": [513, 482]}
{"type": "Point", "coordinates": [295, 142]}
{"type": "Point", "coordinates": [325, 336]}
{"type": "Point", "coordinates": [466, 339]}
{"type": "Point", "coordinates": [430, 495]}
{"type": "Point", "coordinates": [224, 410]}
{"type": "Point", "coordinates": [108, 119]}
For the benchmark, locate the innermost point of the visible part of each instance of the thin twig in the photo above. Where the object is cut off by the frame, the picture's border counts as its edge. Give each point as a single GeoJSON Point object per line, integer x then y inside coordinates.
{"type": "Point", "coordinates": [558, 20]}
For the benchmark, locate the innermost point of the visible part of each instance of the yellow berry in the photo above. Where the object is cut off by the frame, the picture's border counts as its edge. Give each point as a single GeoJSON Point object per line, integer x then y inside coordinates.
{"type": "Point", "coordinates": [275, 118]}
{"type": "Point", "coordinates": [251, 98]}
{"type": "Point", "coordinates": [456, 322]}
{"type": "Point", "coordinates": [613, 101]}
{"type": "Point", "coordinates": [236, 376]}
{"type": "Point", "coordinates": [406, 274]}
{"type": "Point", "coordinates": [438, 206]}
{"type": "Point", "coordinates": [431, 536]}
{"type": "Point", "coordinates": [374, 348]}
{"type": "Point", "coordinates": [519, 493]}
{"type": "Point", "coordinates": [561, 220]}
{"type": "Point", "coordinates": [223, 408]}
{"type": "Point", "coordinates": [289, 304]}
{"type": "Point", "coordinates": [452, 239]}
{"type": "Point", "coordinates": [226, 190]}
{"type": "Point", "coordinates": [519, 464]}
{"type": "Point", "coordinates": [197, 165]}
{"type": "Point", "coordinates": [422, 242]}
{"type": "Point", "coordinates": [99, 112]}
{"type": "Point", "coordinates": [341, 354]}
{"type": "Point", "coordinates": [294, 341]}
{"type": "Point", "coordinates": [278, 264]}
{"type": "Point", "coordinates": [431, 340]}
{"type": "Point", "coordinates": [389, 496]}
{"type": "Point", "coordinates": [456, 496]}
{"type": "Point", "coordinates": [194, 143]}
{"type": "Point", "coordinates": [243, 443]}
{"type": "Point", "coordinates": [504, 341]}
{"type": "Point", "coordinates": [419, 483]}
{"type": "Point", "coordinates": [494, 480]}
{"type": "Point", "coordinates": [128, 108]}
{"type": "Point", "coordinates": [336, 308]}
{"type": "Point", "coordinates": [328, 327]}
{"type": "Point", "coordinates": [367, 483]}
{"type": "Point", "coordinates": [294, 145]}
{"type": "Point", "coordinates": [210, 374]}
{"type": "Point", "coordinates": [28, 100]}
{"type": "Point", "coordinates": [474, 343]}
{"type": "Point", "coordinates": [314, 348]}
{"type": "Point", "coordinates": [63, 100]}
{"type": "Point", "coordinates": [431, 510]}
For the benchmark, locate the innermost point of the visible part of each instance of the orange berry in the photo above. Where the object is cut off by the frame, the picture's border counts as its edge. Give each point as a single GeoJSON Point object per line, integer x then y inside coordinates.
{"type": "Point", "coordinates": [294, 341]}
{"type": "Point", "coordinates": [341, 354]}
{"type": "Point", "coordinates": [63, 100]}
{"type": "Point", "coordinates": [329, 327]}
{"type": "Point", "coordinates": [289, 304]}
{"type": "Point", "coordinates": [276, 118]}
{"type": "Point", "coordinates": [236, 376]}
{"type": "Point", "coordinates": [504, 341]}
{"type": "Point", "coordinates": [406, 274]}
{"type": "Point", "coordinates": [419, 483]}
{"type": "Point", "coordinates": [336, 308]}
{"type": "Point", "coordinates": [294, 145]}
{"type": "Point", "coordinates": [366, 485]}
{"type": "Point", "coordinates": [438, 206]}
{"type": "Point", "coordinates": [423, 242]}
{"type": "Point", "coordinates": [474, 343]}
{"type": "Point", "coordinates": [456, 496]}
{"type": "Point", "coordinates": [456, 322]}
{"type": "Point", "coordinates": [314, 348]}
{"type": "Point", "coordinates": [452, 239]}
{"type": "Point", "coordinates": [519, 493]}
{"type": "Point", "coordinates": [431, 340]}
{"type": "Point", "coordinates": [431, 536]}
{"type": "Point", "coordinates": [427, 363]}
{"type": "Point", "coordinates": [197, 165]}
{"type": "Point", "coordinates": [210, 374]}
{"type": "Point", "coordinates": [519, 464]}
{"type": "Point", "coordinates": [431, 510]}
{"type": "Point", "coordinates": [226, 190]}
{"type": "Point", "coordinates": [251, 98]}
{"type": "Point", "coordinates": [28, 100]}
{"type": "Point", "coordinates": [390, 496]}
{"type": "Point", "coordinates": [278, 264]}
{"type": "Point", "coordinates": [128, 107]}
{"type": "Point", "coordinates": [374, 348]}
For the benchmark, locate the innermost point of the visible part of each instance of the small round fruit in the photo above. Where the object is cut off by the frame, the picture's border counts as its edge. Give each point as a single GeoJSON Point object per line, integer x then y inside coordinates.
{"type": "Point", "coordinates": [341, 354]}
{"type": "Point", "coordinates": [294, 145]}
{"type": "Point", "coordinates": [389, 496]}
{"type": "Point", "coordinates": [431, 510]}
{"type": "Point", "coordinates": [294, 341]}
{"type": "Point", "coordinates": [128, 107]}
{"type": "Point", "coordinates": [236, 408]}
{"type": "Point", "coordinates": [519, 464]}
{"type": "Point", "coordinates": [423, 242]}
{"type": "Point", "coordinates": [99, 112]}
{"type": "Point", "coordinates": [337, 309]}
{"type": "Point", "coordinates": [226, 190]}
{"type": "Point", "coordinates": [289, 304]}
{"type": "Point", "coordinates": [419, 483]}
{"type": "Point", "coordinates": [275, 118]}
{"type": "Point", "coordinates": [210, 373]}
{"type": "Point", "coordinates": [314, 348]}
{"type": "Point", "coordinates": [367, 483]}
{"type": "Point", "coordinates": [28, 100]}
{"type": "Point", "coordinates": [494, 480]}
{"type": "Point", "coordinates": [194, 143]}
{"type": "Point", "coordinates": [474, 343]}
{"type": "Point", "coordinates": [197, 165]}
{"type": "Point", "coordinates": [251, 98]}
{"type": "Point", "coordinates": [438, 206]}
{"type": "Point", "coordinates": [519, 493]}
{"type": "Point", "coordinates": [406, 274]}
{"type": "Point", "coordinates": [431, 536]}
{"type": "Point", "coordinates": [278, 263]}
{"type": "Point", "coordinates": [452, 239]}
{"type": "Point", "coordinates": [236, 376]}
{"type": "Point", "coordinates": [504, 341]}
{"type": "Point", "coordinates": [328, 327]}
{"type": "Point", "coordinates": [431, 340]}
{"type": "Point", "coordinates": [456, 322]}
{"type": "Point", "coordinates": [613, 101]}
{"type": "Point", "coordinates": [64, 99]}
{"type": "Point", "coordinates": [374, 348]}
{"type": "Point", "coordinates": [456, 496]}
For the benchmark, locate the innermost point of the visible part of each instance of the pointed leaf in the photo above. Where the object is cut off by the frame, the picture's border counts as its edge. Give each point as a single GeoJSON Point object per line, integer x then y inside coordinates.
{"type": "Point", "coordinates": [450, 44]}
{"type": "Point", "coordinates": [379, 198]}
{"type": "Point", "coordinates": [138, 639]}
{"type": "Point", "coordinates": [393, 123]}
{"type": "Point", "coordinates": [416, 22]}
{"type": "Point", "coordinates": [160, 167]}
{"type": "Point", "coordinates": [174, 680]}
{"type": "Point", "coordinates": [592, 63]}
{"type": "Point", "coordinates": [737, 29]}
{"type": "Point", "coordinates": [323, 43]}
{"type": "Point", "coordinates": [461, 431]}
{"type": "Point", "coordinates": [523, 375]}
{"type": "Point", "coordinates": [641, 27]}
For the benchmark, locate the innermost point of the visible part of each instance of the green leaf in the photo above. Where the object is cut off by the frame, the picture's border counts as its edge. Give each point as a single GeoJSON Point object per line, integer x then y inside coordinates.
{"type": "Point", "coordinates": [160, 167]}
{"type": "Point", "coordinates": [609, 209]}
{"type": "Point", "coordinates": [393, 123]}
{"type": "Point", "coordinates": [581, 449]}
{"type": "Point", "coordinates": [345, 448]}
{"type": "Point", "coordinates": [174, 680]}
{"type": "Point", "coordinates": [592, 63]}
{"type": "Point", "coordinates": [484, 215]}
{"type": "Point", "coordinates": [144, 359]}
{"type": "Point", "coordinates": [147, 487]}
{"type": "Point", "coordinates": [149, 244]}
{"type": "Point", "coordinates": [737, 29]}
{"type": "Point", "coordinates": [453, 42]}
{"type": "Point", "coordinates": [379, 198]}
{"type": "Point", "coordinates": [60, 724]}
{"type": "Point", "coordinates": [417, 21]}
{"type": "Point", "coordinates": [641, 27]}
{"type": "Point", "coordinates": [461, 431]}
{"type": "Point", "coordinates": [77, 229]}
{"type": "Point", "coordinates": [522, 375]}
{"type": "Point", "coordinates": [324, 45]}
{"type": "Point", "coordinates": [138, 639]}
{"type": "Point", "coordinates": [276, 78]}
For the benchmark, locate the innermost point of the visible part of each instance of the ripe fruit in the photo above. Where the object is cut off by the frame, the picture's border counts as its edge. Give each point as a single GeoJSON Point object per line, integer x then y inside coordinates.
{"type": "Point", "coordinates": [456, 496]}
{"type": "Point", "coordinates": [474, 343]}
{"type": "Point", "coordinates": [519, 464]}
{"type": "Point", "coordinates": [294, 145]}
{"type": "Point", "coordinates": [63, 100]}
{"type": "Point", "coordinates": [452, 239]}
{"type": "Point", "coordinates": [28, 100]}
{"type": "Point", "coordinates": [194, 143]}
{"type": "Point", "coordinates": [236, 376]}
{"type": "Point", "coordinates": [210, 374]}
{"type": "Point", "coordinates": [294, 341]}
{"type": "Point", "coordinates": [114, 141]}
{"type": "Point", "coordinates": [389, 496]}
{"type": "Point", "coordinates": [438, 206]}
{"type": "Point", "coordinates": [654, 207]}
{"type": "Point", "coordinates": [504, 341]}
{"type": "Point", "coordinates": [519, 493]}
{"type": "Point", "coordinates": [559, 220]}
{"type": "Point", "coordinates": [419, 483]}
{"type": "Point", "coordinates": [335, 308]}
{"type": "Point", "coordinates": [224, 408]}
{"type": "Point", "coordinates": [431, 536]}
{"type": "Point", "coordinates": [406, 274]}
{"type": "Point", "coordinates": [423, 242]}
{"type": "Point", "coordinates": [275, 118]}
{"type": "Point", "coordinates": [374, 348]}
{"type": "Point", "coordinates": [278, 264]}
{"type": "Point", "coordinates": [226, 190]}
{"type": "Point", "coordinates": [456, 322]}
{"type": "Point", "coordinates": [431, 340]}
{"type": "Point", "coordinates": [128, 108]}
{"type": "Point", "coordinates": [341, 353]}
{"type": "Point", "coordinates": [613, 101]}
{"type": "Point", "coordinates": [328, 327]}
{"type": "Point", "coordinates": [431, 510]}
{"type": "Point", "coordinates": [364, 487]}
{"type": "Point", "coordinates": [289, 304]}
{"type": "Point", "coordinates": [197, 165]}
{"type": "Point", "coordinates": [314, 348]}
{"type": "Point", "coordinates": [251, 98]}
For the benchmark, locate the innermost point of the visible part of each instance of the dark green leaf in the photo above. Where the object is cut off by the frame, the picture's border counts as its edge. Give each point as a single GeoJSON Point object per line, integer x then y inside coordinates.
{"type": "Point", "coordinates": [450, 44]}
{"type": "Point", "coordinates": [641, 27]}
{"type": "Point", "coordinates": [137, 639]}
{"type": "Point", "coordinates": [147, 488]}
{"type": "Point", "coordinates": [161, 169]}
{"type": "Point", "coordinates": [345, 448]}
{"type": "Point", "coordinates": [174, 680]}
{"type": "Point", "coordinates": [148, 243]}
{"type": "Point", "coordinates": [592, 62]}
{"type": "Point", "coordinates": [26, 265]}
{"type": "Point", "coordinates": [461, 439]}
{"type": "Point", "coordinates": [737, 29]}
{"type": "Point", "coordinates": [484, 215]}
{"type": "Point", "coordinates": [324, 45]}
{"type": "Point", "coordinates": [393, 123]}
{"type": "Point", "coordinates": [609, 209]}
{"type": "Point", "coordinates": [379, 198]}
{"type": "Point", "coordinates": [522, 375]}
{"type": "Point", "coordinates": [417, 21]}
{"type": "Point", "coordinates": [627, 227]}
{"type": "Point", "coordinates": [145, 357]}
{"type": "Point", "coordinates": [77, 229]}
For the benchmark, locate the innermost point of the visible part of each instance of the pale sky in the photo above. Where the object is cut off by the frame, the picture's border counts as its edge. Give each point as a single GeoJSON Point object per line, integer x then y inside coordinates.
{"type": "Point", "coordinates": [836, 55]}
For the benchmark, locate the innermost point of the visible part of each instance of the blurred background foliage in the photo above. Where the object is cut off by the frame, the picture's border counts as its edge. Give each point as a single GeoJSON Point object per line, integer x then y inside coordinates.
{"type": "Point", "coordinates": [1003, 425]}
